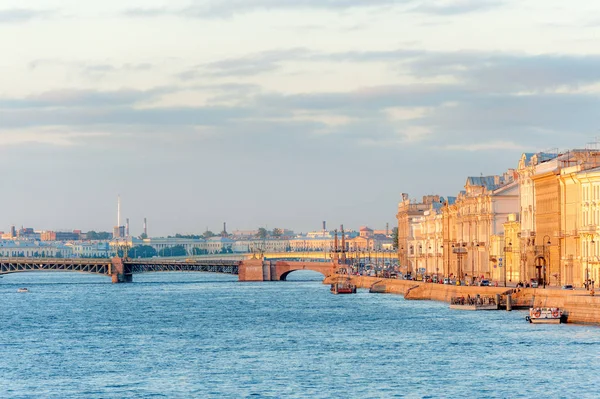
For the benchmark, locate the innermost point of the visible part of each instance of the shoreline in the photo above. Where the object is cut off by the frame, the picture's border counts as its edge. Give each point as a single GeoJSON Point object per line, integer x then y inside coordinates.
{"type": "Point", "coordinates": [580, 306]}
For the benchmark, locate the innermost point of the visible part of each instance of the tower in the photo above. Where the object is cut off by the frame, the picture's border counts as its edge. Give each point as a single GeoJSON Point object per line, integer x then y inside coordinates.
{"type": "Point", "coordinates": [224, 232]}
{"type": "Point", "coordinates": [119, 231]}
{"type": "Point", "coordinates": [145, 228]}
{"type": "Point", "coordinates": [343, 244]}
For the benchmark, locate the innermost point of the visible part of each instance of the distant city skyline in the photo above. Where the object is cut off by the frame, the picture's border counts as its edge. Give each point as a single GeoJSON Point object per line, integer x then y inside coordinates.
{"type": "Point", "coordinates": [279, 113]}
{"type": "Point", "coordinates": [216, 231]}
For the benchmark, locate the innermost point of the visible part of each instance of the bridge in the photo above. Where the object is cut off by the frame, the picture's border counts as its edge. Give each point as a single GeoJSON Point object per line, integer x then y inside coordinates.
{"type": "Point", "coordinates": [121, 270]}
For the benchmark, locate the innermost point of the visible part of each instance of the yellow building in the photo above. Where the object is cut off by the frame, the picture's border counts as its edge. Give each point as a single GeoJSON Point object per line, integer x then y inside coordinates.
{"type": "Point", "coordinates": [409, 255]}
{"type": "Point", "coordinates": [512, 250]}
{"type": "Point", "coordinates": [481, 211]}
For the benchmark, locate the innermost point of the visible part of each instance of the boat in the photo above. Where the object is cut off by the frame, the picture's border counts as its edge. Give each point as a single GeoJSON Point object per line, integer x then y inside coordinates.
{"type": "Point", "coordinates": [544, 316]}
{"type": "Point", "coordinates": [22, 290]}
{"type": "Point", "coordinates": [478, 302]}
{"type": "Point", "coordinates": [343, 287]}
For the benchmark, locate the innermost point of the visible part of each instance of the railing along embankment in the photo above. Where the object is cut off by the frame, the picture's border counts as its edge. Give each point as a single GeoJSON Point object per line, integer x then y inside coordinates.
{"type": "Point", "coordinates": [445, 292]}
{"type": "Point", "coordinates": [392, 286]}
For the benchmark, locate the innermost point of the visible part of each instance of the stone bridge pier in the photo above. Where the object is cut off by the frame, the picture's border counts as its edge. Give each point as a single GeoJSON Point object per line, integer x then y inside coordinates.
{"type": "Point", "coordinates": [118, 271]}
{"type": "Point", "coordinates": [265, 270]}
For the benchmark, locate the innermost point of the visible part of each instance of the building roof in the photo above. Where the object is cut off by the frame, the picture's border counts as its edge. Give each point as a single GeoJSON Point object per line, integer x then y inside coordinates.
{"type": "Point", "coordinates": [220, 239]}
{"type": "Point", "coordinates": [489, 182]}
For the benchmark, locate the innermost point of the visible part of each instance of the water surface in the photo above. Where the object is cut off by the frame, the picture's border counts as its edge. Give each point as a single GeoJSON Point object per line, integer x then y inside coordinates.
{"type": "Point", "coordinates": [182, 335]}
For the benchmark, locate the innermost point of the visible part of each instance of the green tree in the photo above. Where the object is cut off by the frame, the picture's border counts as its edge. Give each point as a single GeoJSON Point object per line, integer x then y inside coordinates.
{"type": "Point", "coordinates": [395, 238]}
{"type": "Point", "coordinates": [198, 251]}
{"type": "Point", "coordinates": [102, 235]}
{"type": "Point", "coordinates": [177, 250]}
{"type": "Point", "coordinates": [262, 233]}
{"type": "Point", "coordinates": [208, 234]}
{"type": "Point", "coordinates": [143, 236]}
{"type": "Point", "coordinates": [141, 251]}
{"type": "Point", "coordinates": [188, 236]}
{"type": "Point", "coordinates": [277, 232]}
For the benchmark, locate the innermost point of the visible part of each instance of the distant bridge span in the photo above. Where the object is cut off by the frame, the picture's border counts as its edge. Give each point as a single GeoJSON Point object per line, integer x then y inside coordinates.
{"type": "Point", "coordinates": [122, 270]}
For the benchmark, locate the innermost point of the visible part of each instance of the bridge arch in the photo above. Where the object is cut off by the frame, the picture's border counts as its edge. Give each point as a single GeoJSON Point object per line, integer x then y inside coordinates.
{"type": "Point", "coordinates": [285, 275]}
{"type": "Point", "coordinates": [284, 268]}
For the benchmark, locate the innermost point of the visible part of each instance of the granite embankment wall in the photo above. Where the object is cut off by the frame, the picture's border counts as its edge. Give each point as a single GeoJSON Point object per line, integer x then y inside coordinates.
{"type": "Point", "coordinates": [580, 306]}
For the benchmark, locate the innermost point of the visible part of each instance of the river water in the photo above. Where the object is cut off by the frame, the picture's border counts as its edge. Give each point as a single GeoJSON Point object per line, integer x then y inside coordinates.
{"type": "Point", "coordinates": [207, 336]}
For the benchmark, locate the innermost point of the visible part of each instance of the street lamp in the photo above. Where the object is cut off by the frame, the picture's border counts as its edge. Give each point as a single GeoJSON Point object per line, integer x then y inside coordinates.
{"type": "Point", "coordinates": [437, 255]}
{"type": "Point", "coordinates": [507, 248]}
{"type": "Point", "coordinates": [427, 260]}
{"type": "Point", "coordinates": [412, 255]}
{"type": "Point", "coordinates": [548, 265]}
{"type": "Point", "coordinates": [420, 259]}
{"type": "Point", "coordinates": [587, 263]}
{"type": "Point", "coordinates": [473, 246]}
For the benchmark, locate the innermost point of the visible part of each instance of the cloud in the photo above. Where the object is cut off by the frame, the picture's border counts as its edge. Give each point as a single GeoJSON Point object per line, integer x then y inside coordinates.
{"type": "Point", "coordinates": [456, 7]}
{"type": "Point", "coordinates": [229, 8]}
{"type": "Point", "coordinates": [17, 15]}
{"type": "Point", "coordinates": [486, 146]}
{"type": "Point", "coordinates": [91, 70]}
{"type": "Point", "coordinates": [255, 64]}
{"type": "Point", "coordinates": [44, 136]}
{"type": "Point", "coordinates": [487, 97]}
{"type": "Point", "coordinates": [82, 98]}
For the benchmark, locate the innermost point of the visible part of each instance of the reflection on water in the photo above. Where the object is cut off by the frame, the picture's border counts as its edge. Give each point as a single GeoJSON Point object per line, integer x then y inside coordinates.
{"type": "Point", "coordinates": [206, 335]}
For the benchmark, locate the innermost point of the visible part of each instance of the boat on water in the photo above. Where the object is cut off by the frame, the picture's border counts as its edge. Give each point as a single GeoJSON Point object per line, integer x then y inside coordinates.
{"type": "Point", "coordinates": [343, 287]}
{"type": "Point", "coordinates": [22, 290]}
{"type": "Point", "coordinates": [545, 316]}
{"type": "Point", "coordinates": [477, 302]}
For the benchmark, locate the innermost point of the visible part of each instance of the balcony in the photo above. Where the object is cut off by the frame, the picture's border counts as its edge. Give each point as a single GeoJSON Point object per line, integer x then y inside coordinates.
{"type": "Point", "coordinates": [590, 228]}
{"type": "Point", "coordinates": [459, 250]}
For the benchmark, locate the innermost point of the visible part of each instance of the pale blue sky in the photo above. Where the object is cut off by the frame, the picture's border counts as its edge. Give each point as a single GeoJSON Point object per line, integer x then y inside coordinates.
{"type": "Point", "coordinates": [279, 113]}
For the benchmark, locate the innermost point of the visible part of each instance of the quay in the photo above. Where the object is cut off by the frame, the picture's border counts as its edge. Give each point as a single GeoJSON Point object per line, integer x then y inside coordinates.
{"type": "Point", "coordinates": [579, 306]}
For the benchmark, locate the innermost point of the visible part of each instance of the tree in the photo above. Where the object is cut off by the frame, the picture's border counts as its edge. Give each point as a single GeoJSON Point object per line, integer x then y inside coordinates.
{"type": "Point", "coordinates": [208, 234]}
{"type": "Point", "coordinates": [141, 251]}
{"type": "Point", "coordinates": [262, 233]}
{"type": "Point", "coordinates": [198, 251]}
{"type": "Point", "coordinates": [277, 232]}
{"type": "Point", "coordinates": [188, 236]}
{"type": "Point", "coordinates": [177, 250]}
{"type": "Point", "coordinates": [395, 238]}
{"type": "Point", "coordinates": [102, 235]}
{"type": "Point", "coordinates": [143, 236]}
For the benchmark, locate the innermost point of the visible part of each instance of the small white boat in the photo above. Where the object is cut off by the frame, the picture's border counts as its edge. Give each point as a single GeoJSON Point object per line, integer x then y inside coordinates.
{"type": "Point", "coordinates": [545, 316]}
{"type": "Point", "coordinates": [22, 290]}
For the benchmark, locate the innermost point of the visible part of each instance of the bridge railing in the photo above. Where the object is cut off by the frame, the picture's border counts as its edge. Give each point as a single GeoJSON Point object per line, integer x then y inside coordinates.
{"type": "Point", "coordinates": [53, 260]}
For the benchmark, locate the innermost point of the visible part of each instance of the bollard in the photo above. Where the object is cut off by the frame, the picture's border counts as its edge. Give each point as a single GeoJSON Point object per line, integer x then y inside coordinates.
{"type": "Point", "coordinates": [508, 302]}
{"type": "Point", "coordinates": [497, 301]}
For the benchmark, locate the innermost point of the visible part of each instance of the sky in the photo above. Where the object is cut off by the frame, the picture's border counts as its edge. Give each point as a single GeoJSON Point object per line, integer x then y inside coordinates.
{"type": "Point", "coordinates": [273, 113]}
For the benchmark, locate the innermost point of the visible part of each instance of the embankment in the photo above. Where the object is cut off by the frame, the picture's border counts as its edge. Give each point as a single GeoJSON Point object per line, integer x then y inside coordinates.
{"type": "Point", "coordinates": [580, 306]}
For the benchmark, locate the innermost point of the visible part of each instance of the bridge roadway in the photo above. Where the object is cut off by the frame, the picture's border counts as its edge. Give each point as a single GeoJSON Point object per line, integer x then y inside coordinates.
{"type": "Point", "coordinates": [121, 270]}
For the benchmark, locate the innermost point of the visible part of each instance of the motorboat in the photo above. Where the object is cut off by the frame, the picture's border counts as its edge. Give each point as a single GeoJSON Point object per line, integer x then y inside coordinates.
{"type": "Point", "coordinates": [478, 302]}
{"type": "Point", "coordinates": [545, 316]}
{"type": "Point", "coordinates": [344, 287]}
{"type": "Point", "coordinates": [22, 290]}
